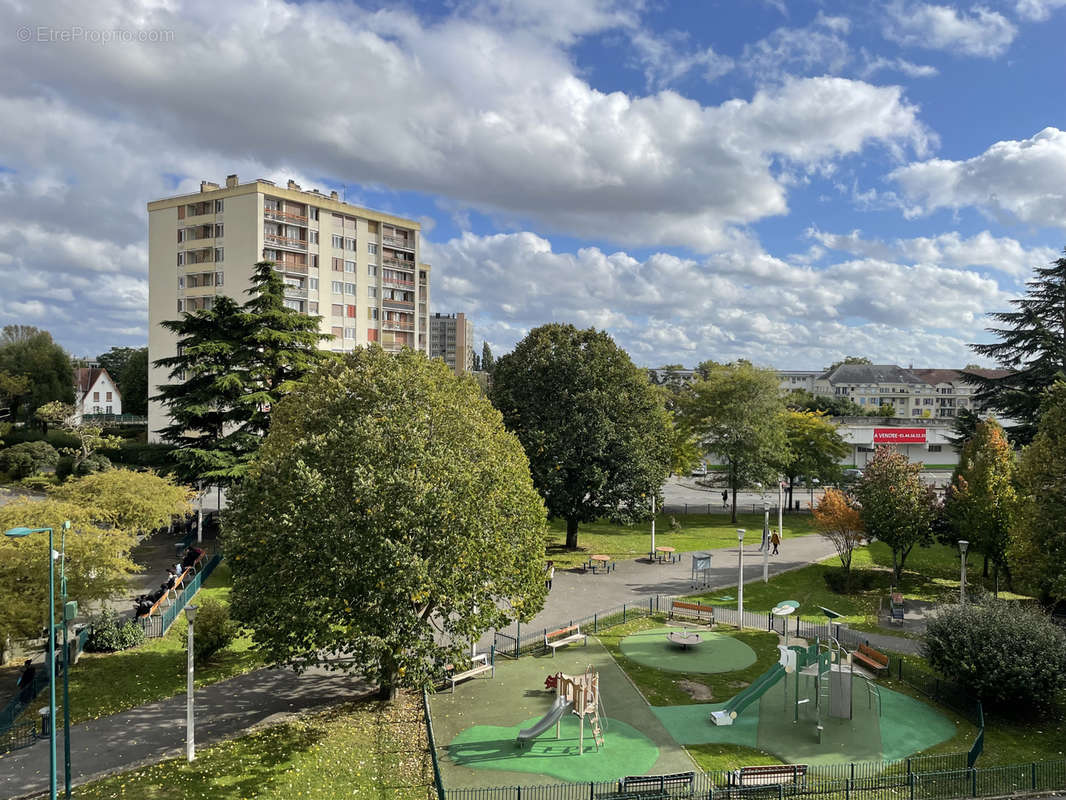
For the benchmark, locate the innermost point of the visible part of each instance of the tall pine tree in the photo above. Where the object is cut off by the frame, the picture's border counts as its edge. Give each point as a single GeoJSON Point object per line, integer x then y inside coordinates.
{"type": "Point", "coordinates": [233, 364]}
{"type": "Point", "coordinates": [1032, 345]}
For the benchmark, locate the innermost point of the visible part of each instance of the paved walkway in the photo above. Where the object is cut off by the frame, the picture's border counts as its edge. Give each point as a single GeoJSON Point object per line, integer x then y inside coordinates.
{"type": "Point", "coordinates": [156, 731]}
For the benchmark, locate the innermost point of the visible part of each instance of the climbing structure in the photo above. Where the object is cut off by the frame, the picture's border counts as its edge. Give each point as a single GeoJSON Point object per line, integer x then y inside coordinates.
{"type": "Point", "coordinates": [581, 694]}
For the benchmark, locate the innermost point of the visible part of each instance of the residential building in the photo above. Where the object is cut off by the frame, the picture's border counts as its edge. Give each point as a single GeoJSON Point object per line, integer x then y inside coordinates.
{"type": "Point", "coordinates": [358, 269]}
{"type": "Point", "coordinates": [795, 379]}
{"type": "Point", "coordinates": [663, 376]}
{"type": "Point", "coordinates": [451, 338]}
{"type": "Point", "coordinates": [95, 392]}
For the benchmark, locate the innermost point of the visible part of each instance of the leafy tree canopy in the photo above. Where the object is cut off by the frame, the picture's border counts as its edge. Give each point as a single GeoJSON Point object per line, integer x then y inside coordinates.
{"type": "Point", "coordinates": [116, 360]}
{"type": "Point", "coordinates": [91, 438]}
{"type": "Point", "coordinates": [388, 518]}
{"type": "Point", "coordinates": [133, 383]}
{"type": "Point", "coordinates": [487, 361]}
{"type": "Point", "coordinates": [832, 405]}
{"type": "Point", "coordinates": [838, 519]}
{"type": "Point", "coordinates": [139, 502]}
{"type": "Point", "coordinates": [848, 360]}
{"type": "Point", "coordinates": [814, 448]}
{"type": "Point", "coordinates": [897, 508]}
{"type": "Point", "coordinates": [738, 415]}
{"type": "Point", "coordinates": [1032, 345]}
{"type": "Point", "coordinates": [30, 353]}
{"type": "Point", "coordinates": [595, 431]}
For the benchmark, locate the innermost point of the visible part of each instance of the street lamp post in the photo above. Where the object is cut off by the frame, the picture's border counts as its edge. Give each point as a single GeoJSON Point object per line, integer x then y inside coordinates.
{"type": "Point", "coordinates": [740, 578]}
{"type": "Point", "coordinates": [814, 485]}
{"type": "Point", "coordinates": [19, 532]}
{"type": "Point", "coordinates": [190, 741]}
{"type": "Point", "coordinates": [765, 542]}
{"type": "Point", "coordinates": [963, 544]}
{"type": "Point", "coordinates": [70, 611]}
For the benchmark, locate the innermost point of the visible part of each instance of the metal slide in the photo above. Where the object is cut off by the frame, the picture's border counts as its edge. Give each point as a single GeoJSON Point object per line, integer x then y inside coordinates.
{"type": "Point", "coordinates": [761, 685]}
{"type": "Point", "coordinates": [559, 707]}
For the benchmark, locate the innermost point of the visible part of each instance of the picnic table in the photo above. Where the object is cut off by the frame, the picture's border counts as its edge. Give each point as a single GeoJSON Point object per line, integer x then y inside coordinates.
{"type": "Point", "coordinates": [663, 553]}
{"type": "Point", "coordinates": [597, 561]}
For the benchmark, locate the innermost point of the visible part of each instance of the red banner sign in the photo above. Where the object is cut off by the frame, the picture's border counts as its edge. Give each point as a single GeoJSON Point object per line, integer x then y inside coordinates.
{"type": "Point", "coordinates": [899, 435]}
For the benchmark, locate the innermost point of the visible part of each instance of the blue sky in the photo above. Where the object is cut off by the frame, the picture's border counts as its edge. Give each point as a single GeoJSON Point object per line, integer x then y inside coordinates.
{"type": "Point", "coordinates": [787, 182]}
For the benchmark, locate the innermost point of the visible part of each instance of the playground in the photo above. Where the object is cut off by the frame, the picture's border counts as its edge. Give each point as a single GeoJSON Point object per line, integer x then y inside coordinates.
{"type": "Point", "coordinates": [579, 717]}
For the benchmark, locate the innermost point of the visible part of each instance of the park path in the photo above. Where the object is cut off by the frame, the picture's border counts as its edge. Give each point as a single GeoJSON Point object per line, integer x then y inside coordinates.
{"type": "Point", "coordinates": [156, 731]}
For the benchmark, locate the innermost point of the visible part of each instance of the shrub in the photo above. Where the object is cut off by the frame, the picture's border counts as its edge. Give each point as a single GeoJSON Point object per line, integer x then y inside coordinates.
{"type": "Point", "coordinates": [142, 455]}
{"type": "Point", "coordinates": [38, 483]}
{"type": "Point", "coordinates": [43, 453]}
{"type": "Point", "coordinates": [108, 632]}
{"type": "Point", "coordinates": [17, 463]}
{"type": "Point", "coordinates": [215, 630]}
{"type": "Point", "coordinates": [94, 463]}
{"type": "Point", "coordinates": [844, 581]}
{"type": "Point", "coordinates": [1009, 656]}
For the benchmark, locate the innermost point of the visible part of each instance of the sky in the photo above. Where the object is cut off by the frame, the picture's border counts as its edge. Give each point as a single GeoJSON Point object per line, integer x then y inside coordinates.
{"type": "Point", "coordinates": [785, 182]}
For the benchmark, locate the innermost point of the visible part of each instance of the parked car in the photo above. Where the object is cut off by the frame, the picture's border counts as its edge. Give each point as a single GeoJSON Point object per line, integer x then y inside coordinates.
{"type": "Point", "coordinates": [851, 475]}
{"type": "Point", "coordinates": [699, 471]}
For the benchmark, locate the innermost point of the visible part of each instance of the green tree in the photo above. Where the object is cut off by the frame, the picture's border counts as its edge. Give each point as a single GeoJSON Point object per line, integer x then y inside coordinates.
{"type": "Point", "coordinates": [1038, 538]}
{"type": "Point", "coordinates": [595, 431]}
{"type": "Point", "coordinates": [848, 360]}
{"type": "Point", "coordinates": [963, 428]}
{"type": "Point", "coordinates": [133, 383]}
{"type": "Point", "coordinates": [738, 414]}
{"type": "Point", "coordinates": [897, 508]}
{"type": "Point", "coordinates": [28, 352]}
{"type": "Point", "coordinates": [398, 512]}
{"type": "Point", "coordinates": [98, 562]}
{"type": "Point", "coordinates": [982, 500]}
{"type": "Point", "coordinates": [12, 387]}
{"type": "Point", "coordinates": [487, 361]}
{"type": "Point", "coordinates": [837, 518]}
{"type": "Point", "coordinates": [90, 437]}
{"type": "Point", "coordinates": [139, 502]}
{"type": "Point", "coordinates": [115, 362]}
{"type": "Point", "coordinates": [833, 405]}
{"type": "Point", "coordinates": [1032, 346]}
{"type": "Point", "coordinates": [814, 449]}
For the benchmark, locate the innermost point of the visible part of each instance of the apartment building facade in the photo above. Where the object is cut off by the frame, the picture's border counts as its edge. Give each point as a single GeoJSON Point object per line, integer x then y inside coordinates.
{"type": "Point", "coordinates": [451, 339]}
{"type": "Point", "coordinates": [360, 270]}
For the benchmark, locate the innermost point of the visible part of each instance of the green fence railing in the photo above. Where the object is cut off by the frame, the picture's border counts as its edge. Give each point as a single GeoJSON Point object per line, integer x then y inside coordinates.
{"type": "Point", "coordinates": [438, 781]}
{"type": "Point", "coordinates": [171, 612]}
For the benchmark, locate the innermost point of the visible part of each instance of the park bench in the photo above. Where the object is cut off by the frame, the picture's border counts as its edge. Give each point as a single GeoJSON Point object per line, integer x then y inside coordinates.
{"type": "Point", "coordinates": [871, 658]}
{"type": "Point", "coordinates": [479, 664]}
{"type": "Point", "coordinates": [701, 613]}
{"type": "Point", "coordinates": [653, 786]}
{"type": "Point", "coordinates": [564, 636]}
{"type": "Point", "coordinates": [165, 599]}
{"type": "Point", "coordinates": [769, 774]}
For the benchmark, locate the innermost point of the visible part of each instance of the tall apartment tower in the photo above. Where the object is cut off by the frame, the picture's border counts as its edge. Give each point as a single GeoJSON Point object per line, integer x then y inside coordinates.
{"type": "Point", "coordinates": [451, 338]}
{"type": "Point", "coordinates": [358, 269]}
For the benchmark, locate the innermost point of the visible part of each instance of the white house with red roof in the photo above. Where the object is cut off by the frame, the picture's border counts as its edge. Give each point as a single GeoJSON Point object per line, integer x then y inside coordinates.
{"type": "Point", "coordinates": [95, 392]}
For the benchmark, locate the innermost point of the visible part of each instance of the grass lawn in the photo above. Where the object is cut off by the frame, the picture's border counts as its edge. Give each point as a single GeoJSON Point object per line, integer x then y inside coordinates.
{"type": "Point", "coordinates": [106, 683]}
{"type": "Point", "coordinates": [662, 688]}
{"type": "Point", "coordinates": [365, 749]}
{"type": "Point", "coordinates": [931, 574]}
{"type": "Point", "coordinates": [622, 542]}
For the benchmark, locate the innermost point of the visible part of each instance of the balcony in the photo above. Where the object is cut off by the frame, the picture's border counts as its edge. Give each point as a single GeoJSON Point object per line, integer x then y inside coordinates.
{"type": "Point", "coordinates": [398, 284]}
{"type": "Point", "coordinates": [404, 304]}
{"type": "Point", "coordinates": [274, 240]}
{"type": "Point", "coordinates": [397, 241]}
{"type": "Point", "coordinates": [295, 291]}
{"type": "Point", "coordinates": [290, 266]}
{"type": "Point", "coordinates": [277, 215]}
{"type": "Point", "coordinates": [391, 261]}
{"type": "Point", "coordinates": [397, 325]}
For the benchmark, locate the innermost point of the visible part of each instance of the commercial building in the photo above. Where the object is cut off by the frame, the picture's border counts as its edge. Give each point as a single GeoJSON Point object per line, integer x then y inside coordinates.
{"type": "Point", "coordinates": [358, 269]}
{"type": "Point", "coordinates": [925, 440]}
{"type": "Point", "coordinates": [451, 338]}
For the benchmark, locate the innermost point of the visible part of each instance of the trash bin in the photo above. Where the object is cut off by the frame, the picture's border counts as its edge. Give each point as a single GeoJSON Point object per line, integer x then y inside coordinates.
{"type": "Point", "coordinates": [46, 721]}
{"type": "Point", "coordinates": [797, 505]}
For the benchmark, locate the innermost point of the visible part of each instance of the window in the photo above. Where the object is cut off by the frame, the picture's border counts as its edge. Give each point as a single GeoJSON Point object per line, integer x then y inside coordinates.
{"type": "Point", "coordinates": [338, 265]}
{"type": "Point", "coordinates": [371, 334]}
{"type": "Point", "coordinates": [181, 259]}
{"type": "Point", "coordinates": [218, 206]}
{"type": "Point", "coordinates": [351, 311]}
{"type": "Point", "coordinates": [372, 248]}
{"type": "Point", "coordinates": [295, 305]}
{"type": "Point", "coordinates": [312, 213]}
{"type": "Point", "coordinates": [108, 397]}
{"type": "Point", "coordinates": [218, 230]}
{"type": "Point", "coordinates": [312, 283]}
{"type": "Point", "coordinates": [96, 409]}
{"type": "Point", "coordinates": [181, 281]}
{"type": "Point", "coordinates": [371, 313]}
{"type": "Point", "coordinates": [349, 333]}
{"type": "Point", "coordinates": [337, 287]}
{"type": "Point", "coordinates": [372, 271]}
{"type": "Point", "coordinates": [934, 448]}
{"type": "Point", "coordinates": [349, 243]}
{"type": "Point", "coordinates": [314, 261]}
{"type": "Point", "coordinates": [219, 278]}
{"type": "Point", "coordinates": [220, 254]}
{"type": "Point", "coordinates": [338, 309]}
{"type": "Point", "coordinates": [312, 237]}
{"type": "Point", "coordinates": [270, 204]}
{"type": "Point", "coordinates": [338, 242]}
{"type": "Point", "coordinates": [270, 255]}
{"type": "Point", "coordinates": [96, 397]}
{"type": "Point", "coordinates": [349, 288]}
{"type": "Point", "coordinates": [349, 266]}
{"type": "Point", "coordinates": [371, 291]}
{"type": "Point", "coordinates": [181, 306]}
{"type": "Point", "coordinates": [108, 409]}
{"type": "Point", "coordinates": [338, 333]}
{"type": "Point", "coordinates": [312, 308]}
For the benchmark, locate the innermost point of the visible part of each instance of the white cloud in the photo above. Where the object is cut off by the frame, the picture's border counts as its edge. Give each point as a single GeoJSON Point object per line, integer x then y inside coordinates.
{"type": "Point", "coordinates": [817, 49]}
{"type": "Point", "coordinates": [665, 59]}
{"type": "Point", "coordinates": [737, 303]}
{"type": "Point", "coordinates": [982, 250]}
{"type": "Point", "coordinates": [875, 63]}
{"type": "Point", "coordinates": [1037, 10]}
{"type": "Point", "coordinates": [983, 33]}
{"type": "Point", "coordinates": [1023, 179]}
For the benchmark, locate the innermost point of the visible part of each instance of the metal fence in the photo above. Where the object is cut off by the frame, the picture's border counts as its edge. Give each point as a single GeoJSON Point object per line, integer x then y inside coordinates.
{"type": "Point", "coordinates": [157, 625]}
{"type": "Point", "coordinates": [742, 508]}
{"type": "Point", "coordinates": [438, 781]}
{"type": "Point", "coordinates": [896, 781]}
{"type": "Point", "coordinates": [531, 640]}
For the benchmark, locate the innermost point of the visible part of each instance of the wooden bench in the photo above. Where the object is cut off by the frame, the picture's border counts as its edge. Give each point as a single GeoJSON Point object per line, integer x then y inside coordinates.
{"type": "Point", "coordinates": [564, 636]}
{"type": "Point", "coordinates": [165, 599]}
{"type": "Point", "coordinates": [701, 613]}
{"type": "Point", "coordinates": [479, 664]}
{"type": "Point", "coordinates": [770, 774]}
{"type": "Point", "coordinates": [649, 786]}
{"type": "Point", "coordinates": [869, 657]}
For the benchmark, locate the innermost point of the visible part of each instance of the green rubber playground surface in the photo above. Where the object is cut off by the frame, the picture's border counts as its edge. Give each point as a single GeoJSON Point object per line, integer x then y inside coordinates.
{"type": "Point", "coordinates": [904, 726]}
{"type": "Point", "coordinates": [715, 653]}
{"type": "Point", "coordinates": [627, 751]}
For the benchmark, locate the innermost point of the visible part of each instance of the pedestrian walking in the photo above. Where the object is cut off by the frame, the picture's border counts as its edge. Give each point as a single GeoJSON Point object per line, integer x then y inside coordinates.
{"type": "Point", "coordinates": [725, 498]}
{"type": "Point", "coordinates": [775, 540]}
{"type": "Point", "coordinates": [549, 574]}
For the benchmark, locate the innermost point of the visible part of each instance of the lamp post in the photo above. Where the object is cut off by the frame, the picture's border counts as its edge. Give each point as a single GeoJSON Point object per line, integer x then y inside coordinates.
{"type": "Point", "coordinates": [740, 578]}
{"type": "Point", "coordinates": [963, 544]}
{"type": "Point", "coordinates": [765, 541]}
{"type": "Point", "coordinates": [190, 741]}
{"type": "Point", "coordinates": [70, 611]}
{"type": "Point", "coordinates": [19, 532]}
{"type": "Point", "coordinates": [814, 485]}
{"type": "Point", "coordinates": [652, 551]}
